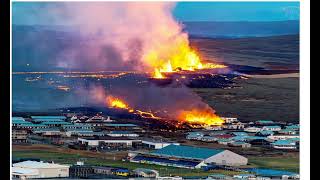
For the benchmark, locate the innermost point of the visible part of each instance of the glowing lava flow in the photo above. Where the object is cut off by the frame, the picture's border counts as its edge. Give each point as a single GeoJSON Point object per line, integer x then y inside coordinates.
{"type": "Point", "coordinates": [147, 114]}
{"type": "Point", "coordinates": [193, 117]}
{"type": "Point", "coordinates": [204, 118]}
{"type": "Point", "coordinates": [120, 104]}
{"type": "Point", "coordinates": [183, 58]}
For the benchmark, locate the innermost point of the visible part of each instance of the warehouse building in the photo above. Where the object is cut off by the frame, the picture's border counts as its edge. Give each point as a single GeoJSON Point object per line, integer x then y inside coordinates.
{"type": "Point", "coordinates": [19, 136]}
{"type": "Point", "coordinates": [116, 142]}
{"type": "Point", "coordinates": [188, 157]}
{"type": "Point", "coordinates": [48, 132]}
{"type": "Point", "coordinates": [122, 134]}
{"type": "Point", "coordinates": [113, 126]}
{"type": "Point", "coordinates": [18, 121]}
{"type": "Point", "coordinates": [35, 169]}
{"type": "Point", "coordinates": [49, 117]}
{"type": "Point", "coordinates": [152, 144]}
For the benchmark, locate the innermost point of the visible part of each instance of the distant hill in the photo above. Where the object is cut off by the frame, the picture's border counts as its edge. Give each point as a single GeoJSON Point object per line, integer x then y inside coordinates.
{"type": "Point", "coordinates": [241, 29]}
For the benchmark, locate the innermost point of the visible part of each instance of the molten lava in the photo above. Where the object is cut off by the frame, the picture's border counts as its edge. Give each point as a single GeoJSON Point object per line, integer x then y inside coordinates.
{"type": "Point", "coordinates": [116, 103]}
{"type": "Point", "coordinates": [147, 114]}
{"type": "Point", "coordinates": [176, 59]}
{"type": "Point", "coordinates": [157, 74]}
{"type": "Point", "coordinates": [203, 118]}
{"type": "Point", "coordinates": [120, 104]}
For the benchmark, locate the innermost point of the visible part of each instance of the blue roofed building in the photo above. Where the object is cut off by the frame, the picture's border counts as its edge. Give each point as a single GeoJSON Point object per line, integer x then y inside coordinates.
{"type": "Point", "coordinates": [284, 144]}
{"type": "Point", "coordinates": [49, 117]}
{"type": "Point", "coordinates": [55, 124]}
{"type": "Point", "coordinates": [265, 133]}
{"type": "Point", "coordinates": [32, 126]}
{"type": "Point", "coordinates": [264, 122]}
{"type": "Point", "coordinates": [189, 157]}
{"type": "Point", "coordinates": [294, 127]}
{"type": "Point", "coordinates": [17, 121]}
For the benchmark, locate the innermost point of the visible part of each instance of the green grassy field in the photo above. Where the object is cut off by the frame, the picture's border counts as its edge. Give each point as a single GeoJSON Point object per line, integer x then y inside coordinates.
{"type": "Point", "coordinates": [291, 164]}
{"type": "Point", "coordinates": [64, 158]}
{"type": "Point", "coordinates": [281, 163]}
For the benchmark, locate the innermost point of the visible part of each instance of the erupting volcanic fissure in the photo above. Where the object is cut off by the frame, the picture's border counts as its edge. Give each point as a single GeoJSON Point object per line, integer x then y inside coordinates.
{"type": "Point", "coordinates": [178, 57]}
{"type": "Point", "coordinates": [141, 37]}
{"type": "Point", "coordinates": [200, 117]}
{"type": "Point", "coordinates": [117, 103]}
{"type": "Point", "coordinates": [194, 117]}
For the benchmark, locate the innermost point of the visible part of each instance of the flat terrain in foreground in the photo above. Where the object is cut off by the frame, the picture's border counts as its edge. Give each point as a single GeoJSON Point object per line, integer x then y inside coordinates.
{"type": "Point", "coordinates": [66, 156]}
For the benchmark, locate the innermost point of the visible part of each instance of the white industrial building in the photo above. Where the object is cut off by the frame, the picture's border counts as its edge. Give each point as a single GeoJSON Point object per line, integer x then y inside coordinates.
{"type": "Point", "coordinates": [252, 129]}
{"type": "Point", "coordinates": [35, 169]}
{"type": "Point", "coordinates": [282, 137]}
{"type": "Point", "coordinates": [229, 119]}
{"type": "Point", "coordinates": [271, 128]}
{"type": "Point", "coordinates": [114, 141]}
{"type": "Point", "coordinates": [122, 134]}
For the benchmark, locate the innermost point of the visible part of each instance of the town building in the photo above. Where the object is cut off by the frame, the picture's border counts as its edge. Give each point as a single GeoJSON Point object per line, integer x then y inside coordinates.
{"type": "Point", "coordinates": [77, 126]}
{"type": "Point", "coordinates": [112, 142]}
{"type": "Point", "coordinates": [125, 126]}
{"type": "Point", "coordinates": [208, 139]}
{"type": "Point", "coordinates": [294, 127]}
{"type": "Point", "coordinates": [194, 135]}
{"type": "Point", "coordinates": [234, 126]}
{"type": "Point", "coordinates": [35, 169]}
{"type": "Point", "coordinates": [188, 157]}
{"type": "Point", "coordinates": [288, 131]}
{"type": "Point", "coordinates": [151, 144]}
{"type": "Point", "coordinates": [32, 126]}
{"type": "Point", "coordinates": [18, 121]}
{"type": "Point", "coordinates": [55, 123]}
{"type": "Point", "coordinates": [229, 120]}
{"type": "Point", "coordinates": [239, 133]}
{"type": "Point", "coordinates": [245, 176]}
{"type": "Point", "coordinates": [252, 129]}
{"type": "Point", "coordinates": [218, 177]}
{"type": "Point", "coordinates": [265, 133]}
{"type": "Point", "coordinates": [214, 128]}
{"type": "Point", "coordinates": [282, 137]}
{"type": "Point", "coordinates": [80, 171]}
{"type": "Point", "coordinates": [264, 122]}
{"type": "Point", "coordinates": [49, 117]}
{"type": "Point", "coordinates": [271, 128]}
{"type": "Point", "coordinates": [224, 141]}
{"type": "Point", "coordinates": [284, 144]}
{"type": "Point", "coordinates": [48, 132]}
{"type": "Point", "coordinates": [240, 144]}
{"type": "Point", "coordinates": [146, 173]}
{"type": "Point", "coordinates": [19, 136]}
{"type": "Point", "coordinates": [122, 134]}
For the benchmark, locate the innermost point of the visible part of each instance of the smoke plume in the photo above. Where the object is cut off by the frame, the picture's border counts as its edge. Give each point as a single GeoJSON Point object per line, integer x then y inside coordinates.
{"type": "Point", "coordinates": [119, 35]}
